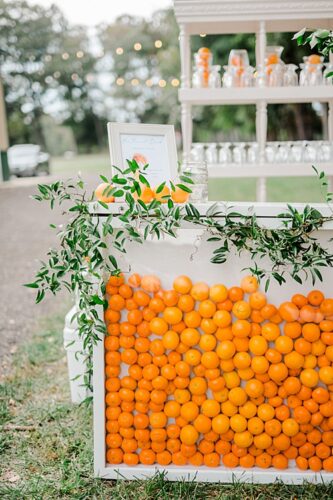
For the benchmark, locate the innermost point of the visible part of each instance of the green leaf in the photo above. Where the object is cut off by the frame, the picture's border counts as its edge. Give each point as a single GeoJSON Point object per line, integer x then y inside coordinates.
{"type": "Point", "coordinates": [184, 188]}
{"type": "Point", "coordinates": [31, 285]}
{"type": "Point", "coordinates": [113, 261]}
{"type": "Point", "coordinates": [118, 193]}
{"type": "Point", "coordinates": [104, 179]}
{"type": "Point", "coordinates": [143, 180]}
{"type": "Point", "coordinates": [160, 187]}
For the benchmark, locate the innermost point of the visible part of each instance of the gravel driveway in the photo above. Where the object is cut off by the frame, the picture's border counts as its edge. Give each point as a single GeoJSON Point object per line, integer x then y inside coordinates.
{"type": "Point", "coordinates": [25, 237]}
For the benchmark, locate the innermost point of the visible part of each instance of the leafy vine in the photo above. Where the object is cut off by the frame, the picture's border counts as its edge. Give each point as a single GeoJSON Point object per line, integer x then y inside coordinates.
{"type": "Point", "coordinates": [79, 264]}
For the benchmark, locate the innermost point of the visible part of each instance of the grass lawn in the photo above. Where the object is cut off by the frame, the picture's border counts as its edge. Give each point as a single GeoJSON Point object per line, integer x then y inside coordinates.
{"type": "Point", "coordinates": [300, 189]}
{"type": "Point", "coordinates": [46, 442]}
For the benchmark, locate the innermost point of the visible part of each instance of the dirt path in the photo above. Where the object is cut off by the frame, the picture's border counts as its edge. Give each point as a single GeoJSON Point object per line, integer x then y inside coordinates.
{"type": "Point", "coordinates": [25, 237]}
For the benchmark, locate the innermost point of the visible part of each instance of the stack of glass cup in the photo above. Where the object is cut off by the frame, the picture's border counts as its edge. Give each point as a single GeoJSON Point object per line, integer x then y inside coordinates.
{"type": "Point", "coordinates": [205, 74]}
{"type": "Point", "coordinates": [239, 153]}
{"type": "Point", "coordinates": [238, 72]}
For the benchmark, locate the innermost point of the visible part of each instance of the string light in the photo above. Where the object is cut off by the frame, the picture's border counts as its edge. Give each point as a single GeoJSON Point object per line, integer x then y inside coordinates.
{"type": "Point", "coordinates": [120, 81]}
{"type": "Point", "coordinates": [158, 44]}
{"type": "Point", "coordinates": [89, 77]}
{"type": "Point", "coordinates": [56, 74]}
{"type": "Point", "coordinates": [134, 82]}
{"type": "Point", "coordinates": [137, 46]}
{"type": "Point", "coordinates": [175, 82]}
{"type": "Point", "coordinates": [119, 51]}
{"type": "Point", "coordinates": [162, 83]}
{"type": "Point", "coordinates": [74, 76]}
{"type": "Point", "coordinates": [203, 35]}
{"type": "Point", "coordinates": [79, 54]}
{"type": "Point", "coordinates": [149, 82]}
{"type": "Point", "coordinates": [48, 58]}
{"type": "Point", "coordinates": [65, 56]}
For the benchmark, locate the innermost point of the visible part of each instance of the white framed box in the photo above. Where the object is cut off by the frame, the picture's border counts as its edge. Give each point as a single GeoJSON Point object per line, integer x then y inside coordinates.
{"type": "Point", "coordinates": [150, 144]}
{"type": "Point", "coordinates": [190, 254]}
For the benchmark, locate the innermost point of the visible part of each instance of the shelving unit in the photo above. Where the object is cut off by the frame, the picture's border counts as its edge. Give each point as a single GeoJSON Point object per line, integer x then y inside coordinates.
{"type": "Point", "coordinates": [259, 17]}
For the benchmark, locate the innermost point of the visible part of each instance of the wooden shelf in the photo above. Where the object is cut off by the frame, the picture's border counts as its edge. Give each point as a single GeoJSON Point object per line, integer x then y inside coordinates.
{"type": "Point", "coordinates": [254, 95]}
{"type": "Point", "coordinates": [267, 170]}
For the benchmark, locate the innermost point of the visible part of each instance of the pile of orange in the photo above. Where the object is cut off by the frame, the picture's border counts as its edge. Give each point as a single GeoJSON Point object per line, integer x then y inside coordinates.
{"type": "Point", "coordinates": [148, 194]}
{"type": "Point", "coordinates": [205, 375]}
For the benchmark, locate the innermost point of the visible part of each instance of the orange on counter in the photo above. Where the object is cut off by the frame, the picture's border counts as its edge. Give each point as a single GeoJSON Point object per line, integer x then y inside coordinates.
{"type": "Point", "coordinates": [217, 377]}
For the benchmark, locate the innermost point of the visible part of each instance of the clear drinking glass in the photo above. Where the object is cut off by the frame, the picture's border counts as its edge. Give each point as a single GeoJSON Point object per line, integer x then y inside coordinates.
{"type": "Point", "coordinates": [239, 152]}
{"type": "Point", "coordinates": [199, 78]}
{"type": "Point", "coordinates": [328, 69]}
{"type": "Point", "coordinates": [198, 172]}
{"type": "Point", "coordinates": [290, 77]}
{"type": "Point", "coordinates": [252, 152]}
{"type": "Point", "coordinates": [270, 152]}
{"type": "Point", "coordinates": [310, 153]}
{"type": "Point", "coordinates": [296, 152]}
{"type": "Point", "coordinates": [246, 77]}
{"type": "Point", "coordinates": [211, 153]}
{"type": "Point", "coordinates": [238, 58]}
{"type": "Point", "coordinates": [275, 75]}
{"type": "Point", "coordinates": [198, 152]}
{"type": "Point", "coordinates": [316, 74]}
{"type": "Point", "coordinates": [214, 80]}
{"type": "Point", "coordinates": [225, 155]}
{"type": "Point", "coordinates": [324, 151]}
{"type": "Point", "coordinates": [230, 77]}
{"type": "Point", "coordinates": [282, 152]}
{"type": "Point", "coordinates": [260, 77]}
{"type": "Point", "coordinates": [273, 54]}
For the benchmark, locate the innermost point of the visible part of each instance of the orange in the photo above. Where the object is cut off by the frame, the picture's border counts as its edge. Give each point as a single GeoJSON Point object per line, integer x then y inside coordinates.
{"type": "Point", "coordinates": [311, 332]}
{"type": "Point", "coordinates": [315, 464]}
{"type": "Point", "coordinates": [290, 427]}
{"type": "Point", "coordinates": [273, 356]}
{"type": "Point", "coordinates": [255, 425]}
{"type": "Point", "coordinates": [260, 365]}
{"type": "Point", "coordinates": [157, 420]}
{"type": "Point", "coordinates": [192, 319]}
{"type": "Point", "coordinates": [210, 360]}
{"type": "Point", "coordinates": [293, 329]}
{"type": "Point", "coordinates": [190, 337]}
{"type": "Point", "coordinates": [254, 388]}
{"type": "Point", "coordinates": [102, 193]}
{"type": "Point", "coordinates": [299, 300]}
{"type": "Point", "coordinates": [280, 461]}
{"type": "Point", "coordinates": [147, 457]}
{"type": "Point", "coordinates": [238, 423]}
{"type": "Point", "coordinates": [326, 375]}
{"type": "Point", "coordinates": [220, 424]}
{"type": "Point", "coordinates": [278, 372]}
{"type": "Point", "coordinates": [192, 357]}
{"type": "Point", "coordinates": [158, 326]}
{"type": "Point", "coordinates": [257, 300]}
{"type": "Point", "coordinates": [186, 303]}
{"type": "Point", "coordinates": [162, 195]}
{"type": "Point", "coordinates": [241, 328]}
{"type": "Point", "coordinates": [182, 284]}
{"type": "Point", "coordinates": [262, 441]}
{"type": "Point", "coordinates": [268, 311]}
{"type": "Point", "coordinates": [170, 340]}
{"type": "Point", "coordinates": [315, 297]}
{"type": "Point", "coordinates": [210, 408]}
{"type": "Point", "coordinates": [200, 291]}
{"type": "Point", "coordinates": [292, 385]}
{"type": "Point", "coordinates": [247, 461]}
{"type": "Point", "coordinates": [307, 450]}
{"type": "Point", "coordinates": [323, 451]}
{"type": "Point", "coordinates": [170, 298]}
{"type": "Point", "coordinates": [241, 309]}
{"type": "Point", "coordinates": [172, 315]}
{"type": "Point", "coordinates": [237, 396]}
{"type": "Point", "coordinates": [273, 427]}
{"type": "Point", "coordinates": [243, 439]}
{"type": "Point", "coordinates": [284, 344]}
{"type": "Point", "coordinates": [249, 284]}
{"type": "Point", "coordinates": [198, 385]}
{"type": "Point", "coordinates": [258, 345]}
{"type": "Point", "coordinates": [320, 395]}
{"type": "Point", "coordinates": [230, 460]}
{"type": "Point", "coordinates": [307, 314]}
{"type": "Point", "coordinates": [231, 379]}
{"type": "Point", "coordinates": [265, 412]}
{"type": "Point", "coordinates": [207, 308]}
{"type": "Point", "coordinates": [242, 360]}
{"type": "Point", "coordinates": [294, 360]}
{"type": "Point", "coordinates": [189, 411]}
{"type": "Point", "coordinates": [270, 331]}
{"type": "Point", "coordinates": [281, 442]}
{"type": "Point", "coordinates": [226, 349]}
{"type": "Point", "coordinates": [207, 342]}
{"type": "Point", "coordinates": [207, 325]}
{"type": "Point", "coordinates": [218, 293]}
{"type": "Point", "coordinates": [289, 311]}
{"type": "Point", "coordinates": [222, 318]}
{"type": "Point", "coordinates": [326, 307]}
{"type": "Point", "coordinates": [189, 435]}
{"type": "Point", "coordinates": [302, 463]}
{"type": "Point", "coordinates": [248, 410]}
{"type": "Point", "coordinates": [309, 377]}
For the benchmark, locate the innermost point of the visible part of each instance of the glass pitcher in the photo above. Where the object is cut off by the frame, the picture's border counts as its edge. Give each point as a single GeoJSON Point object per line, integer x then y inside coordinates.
{"type": "Point", "coordinates": [290, 77]}
{"type": "Point", "coordinates": [198, 172]}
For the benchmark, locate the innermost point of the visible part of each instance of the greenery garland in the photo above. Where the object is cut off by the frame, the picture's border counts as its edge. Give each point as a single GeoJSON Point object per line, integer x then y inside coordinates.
{"type": "Point", "coordinates": [80, 266]}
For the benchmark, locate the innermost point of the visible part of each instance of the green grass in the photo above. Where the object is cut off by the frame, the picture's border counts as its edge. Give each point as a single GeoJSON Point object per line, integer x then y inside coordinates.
{"type": "Point", "coordinates": [54, 458]}
{"type": "Point", "coordinates": [300, 189]}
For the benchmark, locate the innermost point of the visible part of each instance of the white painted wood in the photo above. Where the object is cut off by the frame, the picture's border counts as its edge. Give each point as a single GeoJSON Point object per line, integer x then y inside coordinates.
{"type": "Point", "coordinates": [253, 95]}
{"type": "Point", "coordinates": [187, 129]}
{"type": "Point", "coordinates": [244, 16]}
{"type": "Point", "coordinates": [268, 170]}
{"type": "Point", "coordinates": [185, 56]}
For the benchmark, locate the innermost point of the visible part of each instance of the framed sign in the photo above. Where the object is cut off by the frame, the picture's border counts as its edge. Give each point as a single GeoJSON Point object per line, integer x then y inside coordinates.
{"type": "Point", "coordinates": [150, 144]}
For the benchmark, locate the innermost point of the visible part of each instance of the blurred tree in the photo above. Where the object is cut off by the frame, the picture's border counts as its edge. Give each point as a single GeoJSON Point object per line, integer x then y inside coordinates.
{"type": "Point", "coordinates": [45, 65]}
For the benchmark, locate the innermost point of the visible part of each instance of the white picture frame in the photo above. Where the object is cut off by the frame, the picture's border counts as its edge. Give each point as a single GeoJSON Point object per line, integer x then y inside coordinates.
{"type": "Point", "coordinates": [154, 144]}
